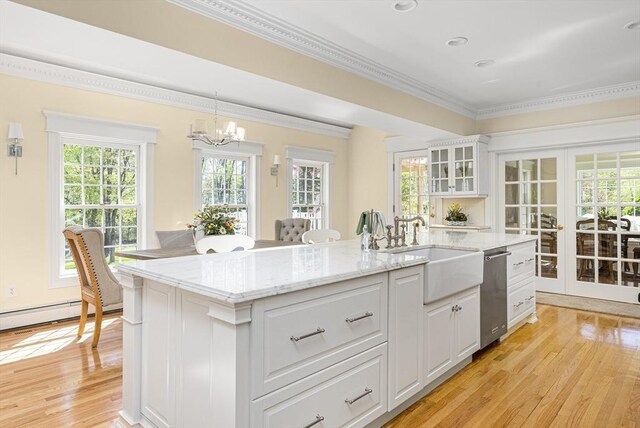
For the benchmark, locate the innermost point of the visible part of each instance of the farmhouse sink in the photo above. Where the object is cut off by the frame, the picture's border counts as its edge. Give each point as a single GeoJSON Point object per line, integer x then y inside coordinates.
{"type": "Point", "coordinates": [449, 271]}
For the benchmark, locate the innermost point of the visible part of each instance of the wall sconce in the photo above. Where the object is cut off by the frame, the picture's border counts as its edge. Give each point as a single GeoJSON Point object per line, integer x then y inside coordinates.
{"type": "Point", "coordinates": [15, 137]}
{"type": "Point", "coordinates": [275, 167]}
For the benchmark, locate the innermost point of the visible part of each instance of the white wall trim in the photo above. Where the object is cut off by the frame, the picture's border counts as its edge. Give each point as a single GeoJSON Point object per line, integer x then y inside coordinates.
{"type": "Point", "coordinates": [49, 73]}
{"type": "Point", "coordinates": [246, 148]}
{"type": "Point", "coordinates": [252, 20]}
{"type": "Point", "coordinates": [623, 90]}
{"type": "Point", "coordinates": [304, 153]}
{"type": "Point", "coordinates": [403, 144]}
{"type": "Point", "coordinates": [599, 132]}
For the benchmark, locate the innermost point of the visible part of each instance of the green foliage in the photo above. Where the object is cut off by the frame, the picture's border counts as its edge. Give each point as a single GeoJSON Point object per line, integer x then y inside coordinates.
{"type": "Point", "coordinates": [454, 213]}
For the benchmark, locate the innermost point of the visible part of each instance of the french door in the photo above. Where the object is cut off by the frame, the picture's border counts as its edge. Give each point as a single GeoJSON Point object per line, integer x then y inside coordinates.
{"type": "Point", "coordinates": [604, 201]}
{"type": "Point", "coordinates": [411, 182]}
{"type": "Point", "coordinates": [531, 201]}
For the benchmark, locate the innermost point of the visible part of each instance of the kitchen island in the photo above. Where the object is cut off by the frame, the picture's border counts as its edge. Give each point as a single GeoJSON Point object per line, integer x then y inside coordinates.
{"type": "Point", "coordinates": [317, 335]}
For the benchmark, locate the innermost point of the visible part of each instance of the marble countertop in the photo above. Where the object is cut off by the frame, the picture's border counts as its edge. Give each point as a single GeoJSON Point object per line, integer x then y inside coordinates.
{"type": "Point", "coordinates": [249, 275]}
{"type": "Point", "coordinates": [468, 227]}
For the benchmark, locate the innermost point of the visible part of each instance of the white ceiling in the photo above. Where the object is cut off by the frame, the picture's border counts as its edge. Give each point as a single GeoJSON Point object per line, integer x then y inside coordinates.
{"type": "Point", "coordinates": [541, 48]}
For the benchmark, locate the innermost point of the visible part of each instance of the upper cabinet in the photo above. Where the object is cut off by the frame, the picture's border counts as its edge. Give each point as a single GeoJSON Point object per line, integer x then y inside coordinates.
{"type": "Point", "coordinates": [459, 167]}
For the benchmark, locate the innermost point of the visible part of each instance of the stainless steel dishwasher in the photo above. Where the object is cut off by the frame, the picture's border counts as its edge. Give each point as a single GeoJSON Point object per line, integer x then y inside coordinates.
{"type": "Point", "coordinates": [493, 296]}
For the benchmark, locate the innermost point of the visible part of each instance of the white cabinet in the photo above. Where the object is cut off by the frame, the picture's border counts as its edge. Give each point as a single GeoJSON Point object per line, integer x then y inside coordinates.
{"type": "Point", "coordinates": [452, 331]}
{"type": "Point", "coordinates": [406, 287]}
{"type": "Point", "coordinates": [458, 168]}
{"type": "Point", "coordinates": [521, 295]}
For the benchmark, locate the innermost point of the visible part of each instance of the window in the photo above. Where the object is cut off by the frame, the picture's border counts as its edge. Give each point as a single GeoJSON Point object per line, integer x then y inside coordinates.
{"type": "Point", "coordinates": [308, 178]}
{"type": "Point", "coordinates": [225, 183]}
{"type": "Point", "coordinates": [307, 193]}
{"type": "Point", "coordinates": [100, 175]}
{"type": "Point", "coordinates": [411, 186]}
{"type": "Point", "coordinates": [227, 175]}
{"type": "Point", "coordinates": [100, 189]}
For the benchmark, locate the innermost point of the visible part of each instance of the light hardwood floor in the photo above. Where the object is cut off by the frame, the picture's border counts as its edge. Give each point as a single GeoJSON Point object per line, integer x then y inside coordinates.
{"type": "Point", "coordinates": [572, 368]}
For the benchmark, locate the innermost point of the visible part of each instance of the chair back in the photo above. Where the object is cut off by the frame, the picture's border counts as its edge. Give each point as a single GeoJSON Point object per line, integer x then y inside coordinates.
{"type": "Point", "coordinates": [291, 229]}
{"type": "Point", "coordinates": [320, 235]}
{"type": "Point", "coordinates": [224, 243]}
{"type": "Point", "coordinates": [175, 238]}
{"type": "Point", "coordinates": [95, 276]}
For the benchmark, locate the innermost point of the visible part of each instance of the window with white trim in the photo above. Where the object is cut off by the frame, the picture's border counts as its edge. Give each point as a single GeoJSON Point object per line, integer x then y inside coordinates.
{"type": "Point", "coordinates": [309, 185]}
{"type": "Point", "coordinates": [225, 183]}
{"type": "Point", "coordinates": [307, 192]}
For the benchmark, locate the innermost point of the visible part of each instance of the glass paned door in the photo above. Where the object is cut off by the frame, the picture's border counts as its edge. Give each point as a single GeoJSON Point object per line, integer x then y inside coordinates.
{"type": "Point", "coordinates": [463, 162]}
{"type": "Point", "coordinates": [440, 171]}
{"type": "Point", "coordinates": [412, 184]}
{"type": "Point", "coordinates": [530, 201]}
{"type": "Point", "coordinates": [605, 225]}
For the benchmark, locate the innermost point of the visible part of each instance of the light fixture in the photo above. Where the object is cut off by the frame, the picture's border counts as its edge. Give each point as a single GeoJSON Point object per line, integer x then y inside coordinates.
{"type": "Point", "coordinates": [405, 5]}
{"type": "Point", "coordinates": [633, 25]}
{"type": "Point", "coordinates": [275, 167]}
{"type": "Point", "coordinates": [15, 137]}
{"type": "Point", "coordinates": [457, 41]}
{"type": "Point", "coordinates": [230, 134]}
{"type": "Point", "coordinates": [484, 63]}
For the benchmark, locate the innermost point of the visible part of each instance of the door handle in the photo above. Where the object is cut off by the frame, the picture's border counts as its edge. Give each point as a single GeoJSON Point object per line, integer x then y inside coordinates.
{"type": "Point", "coordinates": [495, 256]}
{"type": "Point", "coordinates": [560, 227]}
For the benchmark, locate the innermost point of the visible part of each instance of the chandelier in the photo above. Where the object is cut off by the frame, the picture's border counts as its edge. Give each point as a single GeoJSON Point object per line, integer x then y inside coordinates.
{"type": "Point", "coordinates": [230, 134]}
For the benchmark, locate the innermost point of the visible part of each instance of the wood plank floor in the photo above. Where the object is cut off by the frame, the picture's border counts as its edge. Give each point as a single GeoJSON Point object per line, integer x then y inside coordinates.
{"type": "Point", "coordinates": [572, 368]}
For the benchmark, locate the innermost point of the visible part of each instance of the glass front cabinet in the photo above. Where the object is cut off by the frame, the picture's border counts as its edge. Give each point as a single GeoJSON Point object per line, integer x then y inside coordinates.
{"type": "Point", "coordinates": [458, 168]}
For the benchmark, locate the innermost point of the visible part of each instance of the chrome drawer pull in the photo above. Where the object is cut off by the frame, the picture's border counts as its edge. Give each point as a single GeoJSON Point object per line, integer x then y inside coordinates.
{"type": "Point", "coordinates": [530, 260]}
{"type": "Point", "coordinates": [528, 298]}
{"type": "Point", "coordinates": [317, 421]}
{"type": "Point", "coordinates": [366, 315]}
{"type": "Point", "coordinates": [366, 392]}
{"type": "Point", "coordinates": [304, 336]}
{"type": "Point", "coordinates": [518, 305]}
{"type": "Point", "coordinates": [518, 264]}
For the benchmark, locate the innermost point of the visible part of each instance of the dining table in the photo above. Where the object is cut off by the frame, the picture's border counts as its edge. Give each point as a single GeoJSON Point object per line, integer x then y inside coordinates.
{"type": "Point", "coordinates": [163, 253]}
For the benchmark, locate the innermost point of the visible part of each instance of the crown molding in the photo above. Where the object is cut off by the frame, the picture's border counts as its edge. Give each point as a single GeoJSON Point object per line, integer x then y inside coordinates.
{"type": "Point", "coordinates": [49, 73]}
{"type": "Point", "coordinates": [629, 89]}
{"type": "Point", "coordinates": [252, 20]}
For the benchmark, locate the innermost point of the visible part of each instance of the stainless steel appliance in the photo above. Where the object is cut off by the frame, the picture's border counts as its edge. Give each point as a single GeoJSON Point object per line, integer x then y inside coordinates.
{"type": "Point", "coordinates": [493, 296]}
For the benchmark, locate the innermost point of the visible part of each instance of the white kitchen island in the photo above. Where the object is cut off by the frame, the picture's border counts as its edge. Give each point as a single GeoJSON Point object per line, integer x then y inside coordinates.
{"type": "Point", "coordinates": [320, 335]}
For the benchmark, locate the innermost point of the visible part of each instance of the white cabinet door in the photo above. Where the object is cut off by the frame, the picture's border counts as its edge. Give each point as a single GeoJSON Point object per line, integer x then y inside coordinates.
{"type": "Point", "coordinates": [405, 333]}
{"type": "Point", "coordinates": [440, 163]}
{"type": "Point", "coordinates": [439, 336]}
{"type": "Point", "coordinates": [467, 323]}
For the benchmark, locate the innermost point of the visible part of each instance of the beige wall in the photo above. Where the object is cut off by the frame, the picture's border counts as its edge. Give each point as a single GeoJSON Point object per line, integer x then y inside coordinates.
{"type": "Point", "coordinates": [366, 175]}
{"type": "Point", "coordinates": [24, 255]}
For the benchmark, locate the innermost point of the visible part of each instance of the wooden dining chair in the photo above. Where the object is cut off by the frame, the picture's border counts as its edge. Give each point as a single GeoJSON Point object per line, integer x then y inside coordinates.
{"type": "Point", "coordinates": [98, 285]}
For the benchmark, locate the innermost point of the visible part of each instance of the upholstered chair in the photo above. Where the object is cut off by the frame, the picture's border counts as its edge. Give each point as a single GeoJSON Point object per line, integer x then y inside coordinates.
{"type": "Point", "coordinates": [291, 229]}
{"type": "Point", "coordinates": [175, 238]}
{"type": "Point", "coordinates": [98, 285]}
{"type": "Point", "coordinates": [317, 236]}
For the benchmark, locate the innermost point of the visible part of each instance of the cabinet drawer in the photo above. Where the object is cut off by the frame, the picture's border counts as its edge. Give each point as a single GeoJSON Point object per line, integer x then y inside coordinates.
{"type": "Point", "coordinates": [521, 264]}
{"type": "Point", "coordinates": [306, 336]}
{"type": "Point", "coordinates": [347, 394]}
{"type": "Point", "coordinates": [521, 301]}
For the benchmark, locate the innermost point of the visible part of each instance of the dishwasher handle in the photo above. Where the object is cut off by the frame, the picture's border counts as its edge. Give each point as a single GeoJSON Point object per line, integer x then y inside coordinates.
{"type": "Point", "coordinates": [495, 256]}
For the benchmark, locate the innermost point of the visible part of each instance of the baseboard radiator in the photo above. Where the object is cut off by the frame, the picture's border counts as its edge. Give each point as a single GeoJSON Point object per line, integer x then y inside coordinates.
{"type": "Point", "coordinates": [44, 314]}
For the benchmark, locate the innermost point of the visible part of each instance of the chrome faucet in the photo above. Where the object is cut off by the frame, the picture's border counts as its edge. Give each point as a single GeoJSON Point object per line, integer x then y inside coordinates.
{"type": "Point", "coordinates": [419, 220]}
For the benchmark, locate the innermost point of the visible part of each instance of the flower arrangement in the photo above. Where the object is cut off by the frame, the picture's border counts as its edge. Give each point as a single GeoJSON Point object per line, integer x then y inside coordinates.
{"type": "Point", "coordinates": [455, 216]}
{"type": "Point", "coordinates": [214, 220]}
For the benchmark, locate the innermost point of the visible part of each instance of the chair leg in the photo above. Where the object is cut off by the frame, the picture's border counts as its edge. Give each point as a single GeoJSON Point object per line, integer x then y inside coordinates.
{"type": "Point", "coordinates": [97, 327]}
{"type": "Point", "coordinates": [83, 317]}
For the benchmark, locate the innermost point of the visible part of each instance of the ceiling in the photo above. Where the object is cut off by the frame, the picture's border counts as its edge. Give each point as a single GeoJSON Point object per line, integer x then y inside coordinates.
{"type": "Point", "coordinates": [541, 48]}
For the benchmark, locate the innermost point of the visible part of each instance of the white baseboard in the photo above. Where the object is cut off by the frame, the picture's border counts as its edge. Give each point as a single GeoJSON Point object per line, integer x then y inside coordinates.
{"type": "Point", "coordinates": [45, 314]}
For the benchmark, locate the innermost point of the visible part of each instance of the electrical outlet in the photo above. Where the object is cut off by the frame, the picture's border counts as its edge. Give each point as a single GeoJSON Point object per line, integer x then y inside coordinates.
{"type": "Point", "coordinates": [12, 291]}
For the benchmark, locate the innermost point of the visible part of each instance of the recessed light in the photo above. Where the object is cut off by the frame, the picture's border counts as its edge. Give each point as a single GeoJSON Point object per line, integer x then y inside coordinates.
{"type": "Point", "coordinates": [633, 25]}
{"type": "Point", "coordinates": [405, 5]}
{"type": "Point", "coordinates": [484, 63]}
{"type": "Point", "coordinates": [457, 41]}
